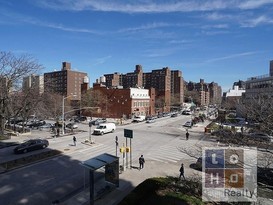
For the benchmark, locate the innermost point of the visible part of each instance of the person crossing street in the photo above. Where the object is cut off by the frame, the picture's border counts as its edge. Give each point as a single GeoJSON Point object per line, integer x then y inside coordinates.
{"type": "Point", "coordinates": [141, 162]}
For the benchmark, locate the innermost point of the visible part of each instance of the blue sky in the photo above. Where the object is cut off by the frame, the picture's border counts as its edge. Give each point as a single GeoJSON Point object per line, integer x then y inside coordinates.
{"type": "Point", "coordinates": [221, 41]}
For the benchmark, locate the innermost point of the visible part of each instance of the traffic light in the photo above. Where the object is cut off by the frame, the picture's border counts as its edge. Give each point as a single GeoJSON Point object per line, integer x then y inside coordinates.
{"type": "Point", "coordinates": [122, 149]}
{"type": "Point", "coordinates": [127, 149]}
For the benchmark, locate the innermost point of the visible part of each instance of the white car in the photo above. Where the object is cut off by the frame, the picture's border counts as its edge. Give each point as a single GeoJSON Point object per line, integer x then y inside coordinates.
{"type": "Point", "coordinates": [188, 124]}
{"type": "Point", "coordinates": [72, 126]}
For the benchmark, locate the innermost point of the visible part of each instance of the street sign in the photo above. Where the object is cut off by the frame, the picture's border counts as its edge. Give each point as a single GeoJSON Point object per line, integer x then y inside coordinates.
{"type": "Point", "coordinates": [128, 133]}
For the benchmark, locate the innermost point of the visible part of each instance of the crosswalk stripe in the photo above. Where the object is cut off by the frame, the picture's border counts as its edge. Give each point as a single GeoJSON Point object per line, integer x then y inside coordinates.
{"type": "Point", "coordinates": [167, 158]}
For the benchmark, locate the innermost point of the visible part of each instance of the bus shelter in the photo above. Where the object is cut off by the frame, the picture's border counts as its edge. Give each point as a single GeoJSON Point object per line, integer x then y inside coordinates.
{"type": "Point", "coordinates": [110, 178]}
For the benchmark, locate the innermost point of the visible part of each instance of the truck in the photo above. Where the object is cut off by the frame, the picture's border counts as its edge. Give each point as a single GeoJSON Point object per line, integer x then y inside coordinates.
{"type": "Point", "coordinates": [139, 118]}
{"type": "Point", "coordinates": [103, 128]}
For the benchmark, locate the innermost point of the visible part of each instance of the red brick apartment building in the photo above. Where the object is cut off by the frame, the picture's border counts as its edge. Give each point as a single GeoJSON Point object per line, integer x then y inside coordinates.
{"type": "Point", "coordinates": [206, 93]}
{"type": "Point", "coordinates": [168, 84]}
{"type": "Point", "coordinates": [66, 81]}
{"type": "Point", "coordinates": [125, 102]}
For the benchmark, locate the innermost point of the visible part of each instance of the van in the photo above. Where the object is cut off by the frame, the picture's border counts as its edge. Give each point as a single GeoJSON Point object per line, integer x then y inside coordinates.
{"type": "Point", "coordinates": [139, 118]}
{"type": "Point", "coordinates": [104, 128]}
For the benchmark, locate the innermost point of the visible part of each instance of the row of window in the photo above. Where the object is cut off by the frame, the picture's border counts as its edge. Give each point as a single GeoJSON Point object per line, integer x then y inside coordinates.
{"type": "Point", "coordinates": [263, 84]}
{"type": "Point", "coordinates": [140, 95]}
{"type": "Point", "coordinates": [141, 104]}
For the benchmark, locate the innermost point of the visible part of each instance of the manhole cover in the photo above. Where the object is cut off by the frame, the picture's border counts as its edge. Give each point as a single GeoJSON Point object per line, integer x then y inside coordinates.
{"type": "Point", "coordinates": [66, 149]}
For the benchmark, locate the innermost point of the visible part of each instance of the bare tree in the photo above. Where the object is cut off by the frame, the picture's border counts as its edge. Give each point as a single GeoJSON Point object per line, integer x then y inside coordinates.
{"type": "Point", "coordinates": [12, 71]}
{"type": "Point", "coordinates": [50, 106]}
{"type": "Point", "coordinates": [160, 103]}
{"type": "Point", "coordinates": [193, 96]}
{"type": "Point", "coordinates": [94, 99]}
{"type": "Point", "coordinates": [259, 110]}
{"type": "Point", "coordinates": [175, 100]}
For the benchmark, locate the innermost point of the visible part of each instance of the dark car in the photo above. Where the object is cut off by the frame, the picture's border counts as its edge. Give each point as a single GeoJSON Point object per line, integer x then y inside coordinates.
{"type": "Point", "coordinates": [186, 112]}
{"type": "Point", "coordinates": [72, 126]}
{"type": "Point", "coordinates": [98, 121]}
{"type": "Point", "coordinates": [36, 124]}
{"type": "Point", "coordinates": [30, 145]}
{"type": "Point", "coordinates": [198, 164]}
{"type": "Point", "coordinates": [150, 120]}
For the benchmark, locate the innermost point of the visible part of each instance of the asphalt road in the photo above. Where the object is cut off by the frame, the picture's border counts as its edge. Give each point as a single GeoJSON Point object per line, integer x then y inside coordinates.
{"type": "Point", "coordinates": [56, 178]}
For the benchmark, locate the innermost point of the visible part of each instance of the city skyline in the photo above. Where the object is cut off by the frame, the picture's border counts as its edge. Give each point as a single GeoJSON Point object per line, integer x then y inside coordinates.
{"type": "Point", "coordinates": [218, 41]}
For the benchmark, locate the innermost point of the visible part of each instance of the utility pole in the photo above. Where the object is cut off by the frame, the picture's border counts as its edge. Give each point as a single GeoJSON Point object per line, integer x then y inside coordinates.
{"type": "Point", "coordinates": [116, 146]}
{"type": "Point", "coordinates": [90, 125]}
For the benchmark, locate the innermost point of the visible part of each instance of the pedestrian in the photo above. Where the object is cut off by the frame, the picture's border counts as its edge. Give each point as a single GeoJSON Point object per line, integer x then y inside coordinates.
{"type": "Point", "coordinates": [181, 170]}
{"type": "Point", "coordinates": [187, 135]}
{"type": "Point", "coordinates": [74, 140]}
{"type": "Point", "coordinates": [141, 162]}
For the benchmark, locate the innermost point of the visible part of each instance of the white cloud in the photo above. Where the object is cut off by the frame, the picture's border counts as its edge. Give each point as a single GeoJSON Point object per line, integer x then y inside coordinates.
{"type": "Point", "coordinates": [252, 4]}
{"type": "Point", "coordinates": [180, 41]}
{"type": "Point", "coordinates": [146, 27]}
{"type": "Point", "coordinates": [217, 16]}
{"type": "Point", "coordinates": [217, 26]}
{"type": "Point", "coordinates": [34, 21]}
{"type": "Point", "coordinates": [70, 29]}
{"type": "Point", "coordinates": [102, 60]}
{"type": "Point", "coordinates": [257, 21]}
{"type": "Point", "coordinates": [140, 6]}
{"type": "Point", "coordinates": [154, 53]}
{"type": "Point", "coordinates": [237, 55]}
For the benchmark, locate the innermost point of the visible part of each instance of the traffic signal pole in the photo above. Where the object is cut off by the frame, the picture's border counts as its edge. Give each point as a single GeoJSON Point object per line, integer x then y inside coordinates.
{"type": "Point", "coordinates": [126, 153]}
{"type": "Point", "coordinates": [131, 153]}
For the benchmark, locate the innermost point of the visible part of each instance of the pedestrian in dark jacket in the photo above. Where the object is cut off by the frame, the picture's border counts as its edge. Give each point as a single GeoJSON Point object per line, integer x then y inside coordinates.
{"type": "Point", "coordinates": [181, 171]}
{"type": "Point", "coordinates": [187, 135]}
{"type": "Point", "coordinates": [74, 140]}
{"type": "Point", "coordinates": [141, 162]}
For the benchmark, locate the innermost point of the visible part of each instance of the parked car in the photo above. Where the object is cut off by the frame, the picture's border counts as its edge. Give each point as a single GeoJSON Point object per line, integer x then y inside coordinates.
{"type": "Point", "coordinates": [139, 118]}
{"type": "Point", "coordinates": [174, 115]}
{"type": "Point", "coordinates": [72, 126]}
{"type": "Point", "coordinates": [98, 121]}
{"type": "Point", "coordinates": [159, 115]}
{"type": "Point", "coordinates": [188, 124]}
{"type": "Point", "coordinates": [30, 145]}
{"type": "Point", "coordinates": [46, 126]}
{"type": "Point", "coordinates": [150, 120]}
{"type": "Point", "coordinates": [36, 124]}
{"type": "Point", "coordinates": [186, 112]}
{"type": "Point", "coordinates": [198, 164]}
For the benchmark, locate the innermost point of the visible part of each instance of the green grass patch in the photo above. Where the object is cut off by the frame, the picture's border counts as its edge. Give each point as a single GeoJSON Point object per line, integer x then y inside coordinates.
{"type": "Point", "coordinates": [170, 191]}
{"type": "Point", "coordinates": [165, 190]}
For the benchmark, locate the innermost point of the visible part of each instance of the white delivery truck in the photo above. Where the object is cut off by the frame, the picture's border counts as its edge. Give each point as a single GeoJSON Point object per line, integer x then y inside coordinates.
{"type": "Point", "coordinates": [139, 118]}
{"type": "Point", "coordinates": [104, 128]}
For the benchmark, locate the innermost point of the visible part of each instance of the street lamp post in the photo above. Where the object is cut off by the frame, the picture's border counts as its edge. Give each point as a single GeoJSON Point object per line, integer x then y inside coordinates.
{"type": "Point", "coordinates": [63, 111]}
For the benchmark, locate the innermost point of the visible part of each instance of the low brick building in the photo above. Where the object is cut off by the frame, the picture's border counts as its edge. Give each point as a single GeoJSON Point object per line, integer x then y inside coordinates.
{"type": "Point", "coordinates": [126, 102]}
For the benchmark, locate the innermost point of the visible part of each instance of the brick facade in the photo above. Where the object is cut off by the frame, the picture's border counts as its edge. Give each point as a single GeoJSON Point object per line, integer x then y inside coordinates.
{"type": "Point", "coordinates": [65, 82]}
{"type": "Point", "coordinates": [126, 102]}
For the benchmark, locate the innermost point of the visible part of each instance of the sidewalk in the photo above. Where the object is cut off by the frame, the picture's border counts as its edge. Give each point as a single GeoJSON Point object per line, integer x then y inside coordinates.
{"type": "Point", "coordinates": [129, 180]}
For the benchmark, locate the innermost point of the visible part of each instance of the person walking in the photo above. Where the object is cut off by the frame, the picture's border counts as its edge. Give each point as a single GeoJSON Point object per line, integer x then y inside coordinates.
{"type": "Point", "coordinates": [74, 140]}
{"type": "Point", "coordinates": [181, 171]}
{"type": "Point", "coordinates": [187, 135]}
{"type": "Point", "coordinates": [141, 162]}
